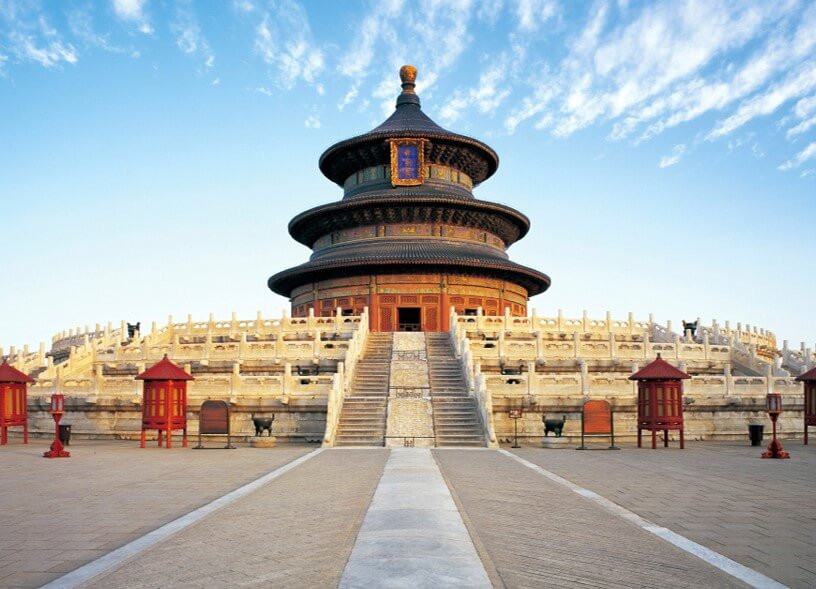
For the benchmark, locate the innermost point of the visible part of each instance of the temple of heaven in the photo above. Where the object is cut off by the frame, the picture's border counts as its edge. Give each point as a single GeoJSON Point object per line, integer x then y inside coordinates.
{"type": "Point", "coordinates": [408, 239]}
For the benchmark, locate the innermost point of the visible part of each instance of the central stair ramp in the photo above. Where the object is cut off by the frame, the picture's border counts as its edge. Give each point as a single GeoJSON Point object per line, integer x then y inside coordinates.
{"type": "Point", "coordinates": [455, 415]}
{"type": "Point", "coordinates": [363, 415]}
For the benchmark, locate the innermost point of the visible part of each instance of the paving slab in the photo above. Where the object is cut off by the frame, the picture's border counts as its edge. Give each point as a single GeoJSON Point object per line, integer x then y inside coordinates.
{"type": "Point", "coordinates": [532, 532]}
{"type": "Point", "coordinates": [758, 512]}
{"type": "Point", "coordinates": [59, 514]}
{"type": "Point", "coordinates": [296, 531]}
{"type": "Point", "coordinates": [413, 536]}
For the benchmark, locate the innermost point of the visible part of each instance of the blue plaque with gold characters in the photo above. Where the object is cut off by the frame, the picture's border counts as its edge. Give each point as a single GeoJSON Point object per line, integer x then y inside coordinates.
{"type": "Point", "coordinates": [407, 161]}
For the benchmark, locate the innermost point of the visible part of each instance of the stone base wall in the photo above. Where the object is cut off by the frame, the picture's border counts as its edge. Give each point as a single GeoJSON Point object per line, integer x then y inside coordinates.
{"type": "Point", "coordinates": [292, 423]}
{"type": "Point", "coordinates": [702, 423]}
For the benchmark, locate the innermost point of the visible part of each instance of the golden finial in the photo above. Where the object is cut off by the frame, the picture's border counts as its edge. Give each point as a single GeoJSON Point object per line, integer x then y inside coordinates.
{"type": "Point", "coordinates": [408, 75]}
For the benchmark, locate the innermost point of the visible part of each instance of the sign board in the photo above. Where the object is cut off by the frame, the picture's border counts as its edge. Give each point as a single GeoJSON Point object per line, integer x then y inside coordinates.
{"type": "Point", "coordinates": [214, 419]}
{"type": "Point", "coordinates": [597, 420]}
{"type": "Point", "coordinates": [515, 413]}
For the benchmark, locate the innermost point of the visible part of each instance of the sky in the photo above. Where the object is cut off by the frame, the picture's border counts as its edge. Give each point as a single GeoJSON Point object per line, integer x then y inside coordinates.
{"type": "Point", "coordinates": [152, 152]}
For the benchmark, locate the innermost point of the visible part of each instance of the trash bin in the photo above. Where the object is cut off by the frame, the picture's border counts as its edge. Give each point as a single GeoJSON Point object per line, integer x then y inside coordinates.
{"type": "Point", "coordinates": [65, 434]}
{"type": "Point", "coordinates": [755, 433]}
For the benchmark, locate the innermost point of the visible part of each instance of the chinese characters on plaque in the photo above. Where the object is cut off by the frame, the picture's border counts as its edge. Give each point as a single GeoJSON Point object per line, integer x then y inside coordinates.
{"type": "Point", "coordinates": [407, 160]}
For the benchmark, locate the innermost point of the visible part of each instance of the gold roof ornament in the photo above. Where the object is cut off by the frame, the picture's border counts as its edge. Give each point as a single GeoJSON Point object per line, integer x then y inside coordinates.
{"type": "Point", "coordinates": [408, 74]}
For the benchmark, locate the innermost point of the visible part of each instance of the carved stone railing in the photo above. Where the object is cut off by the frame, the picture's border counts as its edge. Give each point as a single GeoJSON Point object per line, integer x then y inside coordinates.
{"type": "Point", "coordinates": [477, 387]}
{"type": "Point", "coordinates": [344, 378]}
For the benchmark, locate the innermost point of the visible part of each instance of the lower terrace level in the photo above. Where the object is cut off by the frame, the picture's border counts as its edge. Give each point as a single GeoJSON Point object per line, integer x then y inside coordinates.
{"type": "Point", "coordinates": [713, 515]}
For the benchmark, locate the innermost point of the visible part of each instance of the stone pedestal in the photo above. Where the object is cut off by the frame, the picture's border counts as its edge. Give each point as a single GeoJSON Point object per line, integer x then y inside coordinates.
{"type": "Point", "coordinates": [266, 442]}
{"type": "Point", "coordinates": [554, 443]}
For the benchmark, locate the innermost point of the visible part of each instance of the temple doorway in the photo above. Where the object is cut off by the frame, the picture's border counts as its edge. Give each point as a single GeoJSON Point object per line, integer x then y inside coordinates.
{"type": "Point", "coordinates": [409, 319]}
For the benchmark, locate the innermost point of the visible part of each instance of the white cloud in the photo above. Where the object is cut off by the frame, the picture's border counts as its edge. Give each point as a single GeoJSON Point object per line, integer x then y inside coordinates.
{"type": "Point", "coordinates": [670, 160]}
{"type": "Point", "coordinates": [189, 38]}
{"type": "Point", "coordinates": [283, 39]}
{"type": "Point", "coordinates": [312, 122]}
{"type": "Point", "coordinates": [806, 154]}
{"type": "Point", "coordinates": [430, 34]}
{"type": "Point", "coordinates": [802, 127]}
{"type": "Point", "coordinates": [216, 82]}
{"type": "Point", "coordinates": [48, 55]}
{"type": "Point", "coordinates": [348, 98]}
{"type": "Point", "coordinates": [531, 14]}
{"type": "Point", "coordinates": [133, 11]}
{"type": "Point", "coordinates": [487, 96]}
{"type": "Point", "coordinates": [265, 91]}
{"type": "Point", "coordinates": [805, 106]}
{"type": "Point", "coordinates": [796, 84]}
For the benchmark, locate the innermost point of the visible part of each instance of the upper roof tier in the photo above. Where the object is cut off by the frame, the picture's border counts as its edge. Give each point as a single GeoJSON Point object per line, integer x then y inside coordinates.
{"type": "Point", "coordinates": [463, 153]}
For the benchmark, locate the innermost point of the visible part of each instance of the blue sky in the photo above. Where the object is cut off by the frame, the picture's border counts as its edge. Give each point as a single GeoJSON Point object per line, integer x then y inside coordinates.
{"type": "Point", "coordinates": [152, 152]}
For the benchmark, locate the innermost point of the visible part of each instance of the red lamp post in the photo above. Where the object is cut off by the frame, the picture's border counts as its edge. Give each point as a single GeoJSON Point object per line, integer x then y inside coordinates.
{"type": "Point", "coordinates": [809, 381]}
{"type": "Point", "coordinates": [13, 403]}
{"type": "Point", "coordinates": [56, 411]}
{"type": "Point", "coordinates": [774, 410]}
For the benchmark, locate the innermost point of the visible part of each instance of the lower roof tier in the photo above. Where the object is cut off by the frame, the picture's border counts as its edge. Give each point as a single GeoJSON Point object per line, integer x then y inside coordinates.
{"type": "Point", "coordinates": [409, 256]}
{"type": "Point", "coordinates": [505, 222]}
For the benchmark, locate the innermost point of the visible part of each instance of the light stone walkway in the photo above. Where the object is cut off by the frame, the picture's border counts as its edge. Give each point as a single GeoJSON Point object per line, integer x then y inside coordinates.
{"type": "Point", "coordinates": [534, 533]}
{"type": "Point", "coordinates": [413, 536]}
{"type": "Point", "coordinates": [295, 532]}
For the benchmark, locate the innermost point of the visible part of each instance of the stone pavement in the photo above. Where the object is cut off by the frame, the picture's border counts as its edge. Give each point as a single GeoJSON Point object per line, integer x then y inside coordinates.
{"type": "Point", "coordinates": [534, 533]}
{"type": "Point", "coordinates": [296, 531]}
{"type": "Point", "coordinates": [56, 515]}
{"type": "Point", "coordinates": [413, 535]}
{"type": "Point", "coordinates": [760, 513]}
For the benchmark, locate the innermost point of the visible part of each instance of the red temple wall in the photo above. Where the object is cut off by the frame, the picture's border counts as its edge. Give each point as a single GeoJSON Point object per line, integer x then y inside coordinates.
{"type": "Point", "coordinates": [433, 294]}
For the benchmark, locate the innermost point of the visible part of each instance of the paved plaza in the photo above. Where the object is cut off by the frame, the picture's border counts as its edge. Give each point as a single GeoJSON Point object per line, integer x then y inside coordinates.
{"type": "Point", "coordinates": [114, 515]}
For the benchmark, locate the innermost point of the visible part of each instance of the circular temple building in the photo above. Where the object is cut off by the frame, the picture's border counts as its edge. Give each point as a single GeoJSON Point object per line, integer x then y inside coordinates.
{"type": "Point", "coordinates": [408, 239]}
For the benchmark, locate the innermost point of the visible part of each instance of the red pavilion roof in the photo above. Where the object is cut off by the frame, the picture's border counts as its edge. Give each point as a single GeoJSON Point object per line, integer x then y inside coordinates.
{"type": "Point", "coordinates": [659, 370]}
{"type": "Point", "coordinates": [808, 376]}
{"type": "Point", "coordinates": [164, 370]}
{"type": "Point", "coordinates": [9, 373]}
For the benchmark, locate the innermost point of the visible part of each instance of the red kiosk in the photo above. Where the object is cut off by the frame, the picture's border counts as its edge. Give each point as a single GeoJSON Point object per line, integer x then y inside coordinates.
{"type": "Point", "coordinates": [13, 402]}
{"type": "Point", "coordinates": [809, 380]}
{"type": "Point", "coordinates": [164, 402]}
{"type": "Point", "coordinates": [660, 400]}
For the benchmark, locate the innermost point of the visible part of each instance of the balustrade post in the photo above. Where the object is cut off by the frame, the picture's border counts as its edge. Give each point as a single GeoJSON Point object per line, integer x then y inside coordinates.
{"type": "Point", "coordinates": [287, 378]}
{"type": "Point", "coordinates": [706, 346]}
{"type": "Point", "coordinates": [584, 378]}
{"type": "Point", "coordinates": [729, 380]}
{"type": "Point", "coordinates": [560, 320]}
{"type": "Point", "coordinates": [530, 378]}
{"type": "Point", "coordinates": [613, 346]}
{"type": "Point", "coordinates": [576, 344]}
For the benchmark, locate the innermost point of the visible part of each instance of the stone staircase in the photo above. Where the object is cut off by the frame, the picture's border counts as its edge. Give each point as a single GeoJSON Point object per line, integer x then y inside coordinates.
{"type": "Point", "coordinates": [362, 418]}
{"type": "Point", "coordinates": [455, 416]}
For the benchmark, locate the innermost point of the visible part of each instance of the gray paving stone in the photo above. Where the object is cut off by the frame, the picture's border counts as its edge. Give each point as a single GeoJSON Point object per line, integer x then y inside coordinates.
{"type": "Point", "coordinates": [107, 494]}
{"type": "Point", "coordinates": [536, 533]}
{"type": "Point", "coordinates": [760, 513]}
{"type": "Point", "coordinates": [296, 531]}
